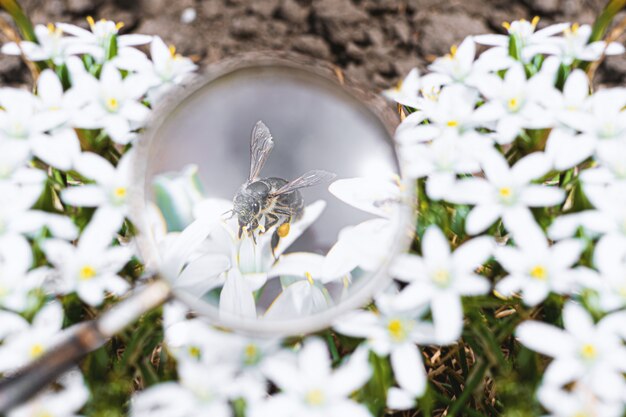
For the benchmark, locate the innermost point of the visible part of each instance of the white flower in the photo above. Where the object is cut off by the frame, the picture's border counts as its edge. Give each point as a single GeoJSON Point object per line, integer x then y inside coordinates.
{"type": "Point", "coordinates": [60, 403]}
{"type": "Point", "coordinates": [506, 192]}
{"type": "Point", "coordinates": [113, 102]}
{"type": "Point", "coordinates": [11, 323]}
{"type": "Point", "coordinates": [16, 258]}
{"type": "Point", "coordinates": [513, 103]}
{"type": "Point", "coordinates": [612, 167]}
{"type": "Point", "coordinates": [440, 277]}
{"type": "Point", "coordinates": [459, 65]}
{"type": "Point", "coordinates": [577, 402]}
{"type": "Point", "coordinates": [109, 192]}
{"type": "Point", "coordinates": [50, 45]}
{"type": "Point", "coordinates": [414, 90]}
{"type": "Point", "coordinates": [23, 346]}
{"type": "Point", "coordinates": [393, 333]}
{"type": "Point", "coordinates": [166, 68]}
{"type": "Point", "coordinates": [608, 217]}
{"type": "Point", "coordinates": [311, 388]}
{"type": "Point", "coordinates": [588, 353]}
{"type": "Point", "coordinates": [530, 41]}
{"type": "Point", "coordinates": [90, 268]}
{"type": "Point", "coordinates": [535, 267]}
{"type": "Point", "coordinates": [201, 391]}
{"type": "Point", "coordinates": [575, 45]}
{"type": "Point", "coordinates": [99, 38]}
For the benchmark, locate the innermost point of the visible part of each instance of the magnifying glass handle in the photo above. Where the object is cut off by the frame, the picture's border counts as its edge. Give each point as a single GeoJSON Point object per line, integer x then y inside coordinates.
{"type": "Point", "coordinates": [82, 339]}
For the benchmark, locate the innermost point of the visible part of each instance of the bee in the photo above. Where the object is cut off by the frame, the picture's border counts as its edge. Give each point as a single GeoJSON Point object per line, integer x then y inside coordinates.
{"type": "Point", "coordinates": [262, 203]}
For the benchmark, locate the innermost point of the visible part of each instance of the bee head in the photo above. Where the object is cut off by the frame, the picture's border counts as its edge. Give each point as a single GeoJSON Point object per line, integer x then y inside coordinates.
{"type": "Point", "coordinates": [247, 209]}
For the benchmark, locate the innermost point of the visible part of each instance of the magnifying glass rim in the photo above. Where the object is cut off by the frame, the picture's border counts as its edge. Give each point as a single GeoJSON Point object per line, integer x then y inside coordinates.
{"type": "Point", "coordinates": [311, 70]}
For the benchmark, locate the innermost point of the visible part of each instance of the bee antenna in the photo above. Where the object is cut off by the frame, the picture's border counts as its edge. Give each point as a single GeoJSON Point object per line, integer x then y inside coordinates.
{"type": "Point", "coordinates": [230, 213]}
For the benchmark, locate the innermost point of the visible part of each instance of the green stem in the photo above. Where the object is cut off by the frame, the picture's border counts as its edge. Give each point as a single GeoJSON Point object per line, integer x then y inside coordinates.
{"type": "Point", "coordinates": [22, 21]}
{"type": "Point", "coordinates": [474, 379]}
{"type": "Point", "coordinates": [604, 19]}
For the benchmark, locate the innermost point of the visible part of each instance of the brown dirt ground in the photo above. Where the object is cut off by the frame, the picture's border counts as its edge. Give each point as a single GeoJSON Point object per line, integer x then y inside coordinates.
{"type": "Point", "coordinates": [374, 42]}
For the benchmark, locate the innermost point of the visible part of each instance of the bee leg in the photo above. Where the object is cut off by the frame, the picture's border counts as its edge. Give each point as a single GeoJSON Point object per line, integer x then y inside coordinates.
{"type": "Point", "coordinates": [270, 220]}
{"type": "Point", "coordinates": [240, 232]}
{"type": "Point", "coordinates": [274, 243]}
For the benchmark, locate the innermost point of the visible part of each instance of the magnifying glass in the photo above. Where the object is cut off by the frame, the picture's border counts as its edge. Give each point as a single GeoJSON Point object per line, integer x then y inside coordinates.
{"type": "Point", "coordinates": [267, 198]}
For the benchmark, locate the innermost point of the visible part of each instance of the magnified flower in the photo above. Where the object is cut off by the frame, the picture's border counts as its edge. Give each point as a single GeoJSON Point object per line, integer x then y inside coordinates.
{"type": "Point", "coordinates": [98, 38]}
{"type": "Point", "coordinates": [109, 192]}
{"type": "Point", "coordinates": [112, 102]}
{"type": "Point", "coordinates": [91, 267]}
{"type": "Point", "coordinates": [166, 68]}
{"type": "Point", "coordinates": [535, 267]}
{"type": "Point", "coordinates": [309, 387]}
{"type": "Point", "coordinates": [506, 192]}
{"type": "Point", "coordinates": [592, 354]}
{"type": "Point", "coordinates": [440, 277]}
{"type": "Point", "coordinates": [61, 403]}
{"type": "Point", "coordinates": [23, 346]}
{"type": "Point", "coordinates": [393, 333]}
{"type": "Point", "coordinates": [530, 40]}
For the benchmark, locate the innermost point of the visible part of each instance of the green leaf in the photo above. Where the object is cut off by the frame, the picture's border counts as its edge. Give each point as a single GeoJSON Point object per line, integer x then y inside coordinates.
{"type": "Point", "coordinates": [22, 21]}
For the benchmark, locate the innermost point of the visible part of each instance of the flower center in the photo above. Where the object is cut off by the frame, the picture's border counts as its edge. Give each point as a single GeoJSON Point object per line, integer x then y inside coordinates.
{"type": "Point", "coordinates": [120, 192]}
{"type": "Point", "coordinates": [441, 277]}
{"type": "Point", "coordinates": [251, 354]}
{"type": "Point", "coordinates": [397, 330]}
{"type": "Point", "coordinates": [86, 273]}
{"type": "Point", "coordinates": [513, 104]}
{"type": "Point", "coordinates": [452, 123]}
{"type": "Point", "coordinates": [194, 352]}
{"type": "Point", "coordinates": [506, 194]}
{"type": "Point", "coordinates": [36, 350]}
{"type": "Point", "coordinates": [315, 397]}
{"type": "Point", "coordinates": [112, 104]}
{"type": "Point", "coordinates": [539, 272]}
{"type": "Point", "coordinates": [588, 351]}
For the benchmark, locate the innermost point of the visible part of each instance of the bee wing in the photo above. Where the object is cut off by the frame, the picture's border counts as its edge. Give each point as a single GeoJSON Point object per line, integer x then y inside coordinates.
{"type": "Point", "coordinates": [307, 179]}
{"type": "Point", "coordinates": [261, 145]}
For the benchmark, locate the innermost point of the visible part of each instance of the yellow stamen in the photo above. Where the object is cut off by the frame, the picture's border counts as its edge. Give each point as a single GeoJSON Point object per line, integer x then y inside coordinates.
{"type": "Point", "coordinates": [119, 25]}
{"type": "Point", "coordinates": [539, 272]}
{"type": "Point", "coordinates": [506, 25]}
{"type": "Point", "coordinates": [194, 352]}
{"type": "Point", "coordinates": [43, 413]}
{"type": "Point", "coordinates": [505, 192]}
{"type": "Point", "coordinates": [535, 21]}
{"type": "Point", "coordinates": [396, 330]}
{"type": "Point", "coordinates": [453, 50]}
{"type": "Point", "coordinates": [86, 273]}
{"type": "Point", "coordinates": [112, 104]}
{"type": "Point", "coordinates": [36, 350]}
{"type": "Point", "coordinates": [172, 49]}
{"type": "Point", "coordinates": [120, 192]}
{"type": "Point", "coordinates": [315, 397]}
{"type": "Point", "coordinates": [588, 351]}
{"type": "Point", "coordinates": [91, 22]}
{"type": "Point", "coordinates": [250, 352]}
{"type": "Point", "coordinates": [309, 277]}
{"type": "Point", "coordinates": [513, 104]}
{"type": "Point", "coordinates": [283, 229]}
{"type": "Point", "coordinates": [441, 277]}
{"type": "Point", "coordinates": [452, 123]}
{"type": "Point", "coordinates": [50, 27]}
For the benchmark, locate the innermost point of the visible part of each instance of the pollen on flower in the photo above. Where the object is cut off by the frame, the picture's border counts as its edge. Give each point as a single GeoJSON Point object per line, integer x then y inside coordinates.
{"type": "Point", "coordinates": [36, 350]}
{"type": "Point", "coordinates": [283, 229]}
{"type": "Point", "coordinates": [315, 397]}
{"type": "Point", "coordinates": [452, 123]}
{"type": "Point", "coordinates": [251, 354]}
{"type": "Point", "coordinates": [112, 104]}
{"type": "Point", "coordinates": [452, 53]}
{"type": "Point", "coordinates": [120, 192]}
{"type": "Point", "coordinates": [86, 273]}
{"type": "Point", "coordinates": [505, 192]}
{"type": "Point", "coordinates": [513, 104]}
{"type": "Point", "coordinates": [539, 272]}
{"type": "Point", "coordinates": [194, 352]}
{"type": "Point", "coordinates": [535, 21]}
{"type": "Point", "coordinates": [441, 277]}
{"type": "Point", "coordinates": [119, 25]}
{"type": "Point", "coordinates": [588, 351]}
{"type": "Point", "coordinates": [397, 330]}
{"type": "Point", "coordinates": [91, 22]}
{"type": "Point", "coordinates": [309, 277]}
{"type": "Point", "coordinates": [506, 25]}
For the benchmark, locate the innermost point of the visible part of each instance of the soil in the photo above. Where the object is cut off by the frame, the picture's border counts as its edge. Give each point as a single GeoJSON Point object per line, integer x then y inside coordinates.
{"type": "Point", "coordinates": [374, 42]}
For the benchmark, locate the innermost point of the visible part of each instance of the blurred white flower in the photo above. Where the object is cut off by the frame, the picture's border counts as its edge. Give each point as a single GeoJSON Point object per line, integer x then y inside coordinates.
{"type": "Point", "coordinates": [440, 277]}
{"type": "Point", "coordinates": [98, 38]}
{"type": "Point", "coordinates": [16, 258]}
{"type": "Point", "coordinates": [535, 267]}
{"type": "Point", "coordinates": [112, 102]}
{"type": "Point", "coordinates": [31, 342]}
{"type": "Point", "coordinates": [65, 402]}
{"type": "Point", "coordinates": [530, 40]}
{"type": "Point", "coordinates": [89, 268]}
{"type": "Point", "coordinates": [165, 69]}
{"type": "Point", "coordinates": [51, 44]}
{"type": "Point", "coordinates": [575, 45]}
{"type": "Point", "coordinates": [200, 391]}
{"type": "Point", "coordinates": [612, 165]}
{"type": "Point", "coordinates": [111, 188]}
{"type": "Point", "coordinates": [513, 103]}
{"type": "Point", "coordinates": [576, 402]}
{"type": "Point", "coordinates": [588, 353]}
{"type": "Point", "coordinates": [506, 192]}
{"type": "Point", "coordinates": [309, 387]}
{"type": "Point", "coordinates": [394, 333]}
